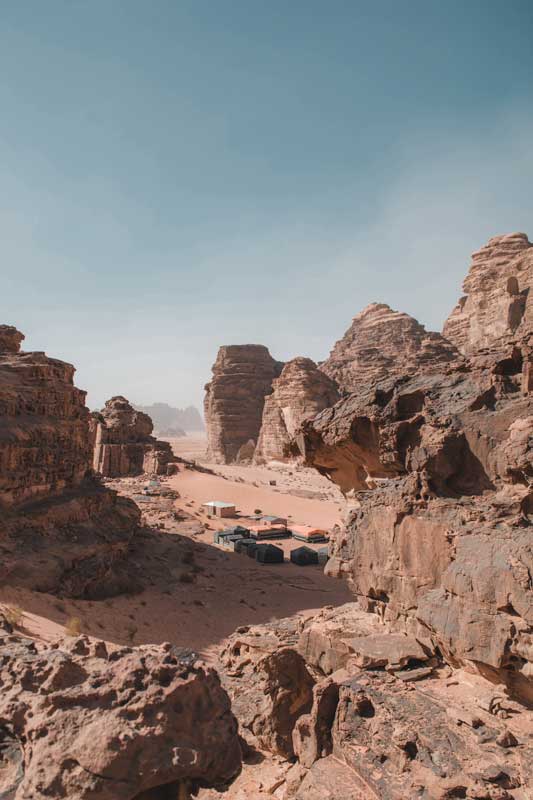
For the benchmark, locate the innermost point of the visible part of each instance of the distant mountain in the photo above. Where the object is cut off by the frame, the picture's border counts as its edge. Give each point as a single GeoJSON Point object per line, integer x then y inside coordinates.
{"type": "Point", "coordinates": [165, 416]}
{"type": "Point", "coordinates": [171, 433]}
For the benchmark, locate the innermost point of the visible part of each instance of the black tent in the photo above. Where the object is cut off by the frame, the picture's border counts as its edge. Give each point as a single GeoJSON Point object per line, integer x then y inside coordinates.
{"type": "Point", "coordinates": [304, 556]}
{"type": "Point", "coordinates": [269, 554]}
{"type": "Point", "coordinates": [243, 544]}
{"type": "Point", "coordinates": [229, 541]}
{"type": "Point", "coordinates": [252, 549]}
{"type": "Point", "coordinates": [237, 529]}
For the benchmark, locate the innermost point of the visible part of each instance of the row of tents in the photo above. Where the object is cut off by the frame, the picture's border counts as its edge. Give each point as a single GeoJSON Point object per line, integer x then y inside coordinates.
{"type": "Point", "coordinates": [264, 552]}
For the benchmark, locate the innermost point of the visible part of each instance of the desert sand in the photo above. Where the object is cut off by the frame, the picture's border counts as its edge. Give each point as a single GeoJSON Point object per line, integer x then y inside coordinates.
{"type": "Point", "coordinates": [199, 601]}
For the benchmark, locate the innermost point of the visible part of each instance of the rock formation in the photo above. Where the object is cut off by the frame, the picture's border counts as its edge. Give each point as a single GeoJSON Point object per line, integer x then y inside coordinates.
{"type": "Point", "coordinates": [441, 464]}
{"type": "Point", "coordinates": [235, 397]}
{"type": "Point", "coordinates": [81, 719]}
{"type": "Point", "coordinates": [58, 526]}
{"type": "Point", "coordinates": [300, 392]}
{"type": "Point", "coordinates": [366, 714]}
{"type": "Point", "coordinates": [381, 342]}
{"type": "Point", "coordinates": [123, 444]}
{"type": "Point", "coordinates": [496, 304]}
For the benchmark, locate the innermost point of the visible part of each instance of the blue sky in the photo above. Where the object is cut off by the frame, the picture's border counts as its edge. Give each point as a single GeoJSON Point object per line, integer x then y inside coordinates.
{"type": "Point", "coordinates": [180, 175]}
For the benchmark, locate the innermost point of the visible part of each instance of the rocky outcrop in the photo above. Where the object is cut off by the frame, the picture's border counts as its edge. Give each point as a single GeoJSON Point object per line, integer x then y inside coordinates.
{"type": "Point", "coordinates": [280, 687]}
{"type": "Point", "coordinates": [383, 719]}
{"type": "Point", "coordinates": [123, 444]}
{"type": "Point", "coordinates": [497, 307]}
{"type": "Point", "coordinates": [440, 463]}
{"type": "Point", "coordinates": [235, 397]}
{"type": "Point", "coordinates": [59, 528]}
{"type": "Point", "coordinates": [82, 719]}
{"type": "Point", "coordinates": [380, 343]}
{"type": "Point", "coordinates": [300, 392]}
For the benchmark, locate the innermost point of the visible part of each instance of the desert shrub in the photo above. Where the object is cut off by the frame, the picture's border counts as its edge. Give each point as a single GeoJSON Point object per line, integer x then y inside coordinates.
{"type": "Point", "coordinates": [73, 626]}
{"type": "Point", "coordinates": [14, 615]}
{"type": "Point", "coordinates": [257, 511]}
{"type": "Point", "coordinates": [131, 630]}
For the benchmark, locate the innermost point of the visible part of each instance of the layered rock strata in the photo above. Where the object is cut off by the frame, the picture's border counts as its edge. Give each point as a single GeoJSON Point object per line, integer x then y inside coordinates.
{"type": "Point", "coordinates": [60, 530]}
{"type": "Point", "coordinates": [496, 304]}
{"type": "Point", "coordinates": [235, 398]}
{"type": "Point", "coordinates": [123, 444]}
{"type": "Point", "coordinates": [441, 464]}
{"type": "Point", "coordinates": [82, 719]}
{"type": "Point", "coordinates": [300, 392]}
{"type": "Point", "coordinates": [381, 342]}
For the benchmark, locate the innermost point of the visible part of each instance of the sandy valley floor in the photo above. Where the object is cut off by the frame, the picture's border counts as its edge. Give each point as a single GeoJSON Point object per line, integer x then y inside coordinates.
{"type": "Point", "coordinates": [197, 593]}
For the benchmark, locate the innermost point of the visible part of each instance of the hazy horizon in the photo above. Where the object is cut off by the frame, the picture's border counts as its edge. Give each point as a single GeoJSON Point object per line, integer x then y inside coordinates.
{"type": "Point", "coordinates": [182, 175]}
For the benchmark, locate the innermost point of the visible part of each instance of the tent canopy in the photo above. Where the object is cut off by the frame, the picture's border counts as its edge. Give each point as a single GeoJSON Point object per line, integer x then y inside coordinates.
{"type": "Point", "coordinates": [269, 554]}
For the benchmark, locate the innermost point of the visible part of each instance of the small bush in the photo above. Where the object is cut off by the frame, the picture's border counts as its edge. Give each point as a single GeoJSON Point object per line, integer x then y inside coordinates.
{"type": "Point", "coordinates": [131, 630]}
{"type": "Point", "coordinates": [257, 511]}
{"type": "Point", "coordinates": [14, 615]}
{"type": "Point", "coordinates": [73, 626]}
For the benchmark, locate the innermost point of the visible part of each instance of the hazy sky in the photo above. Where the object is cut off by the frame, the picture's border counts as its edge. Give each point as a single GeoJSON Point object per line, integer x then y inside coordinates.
{"type": "Point", "coordinates": [180, 175]}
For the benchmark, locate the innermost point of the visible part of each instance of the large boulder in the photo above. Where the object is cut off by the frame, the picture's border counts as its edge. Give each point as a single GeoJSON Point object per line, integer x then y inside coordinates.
{"type": "Point", "coordinates": [81, 720]}
{"type": "Point", "coordinates": [269, 684]}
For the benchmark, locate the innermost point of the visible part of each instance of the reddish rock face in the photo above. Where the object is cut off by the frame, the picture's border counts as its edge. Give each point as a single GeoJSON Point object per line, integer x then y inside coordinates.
{"type": "Point", "coordinates": [441, 465]}
{"type": "Point", "coordinates": [235, 397]}
{"type": "Point", "coordinates": [59, 529]}
{"type": "Point", "coordinates": [10, 339]}
{"type": "Point", "coordinates": [300, 392]}
{"type": "Point", "coordinates": [123, 444]}
{"type": "Point", "coordinates": [497, 302]}
{"type": "Point", "coordinates": [381, 342]}
{"type": "Point", "coordinates": [44, 440]}
{"type": "Point", "coordinates": [79, 720]}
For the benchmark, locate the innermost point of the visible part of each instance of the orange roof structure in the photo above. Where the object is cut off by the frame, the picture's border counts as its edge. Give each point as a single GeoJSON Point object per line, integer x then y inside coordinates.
{"type": "Point", "coordinates": [263, 528]}
{"type": "Point", "coordinates": [308, 530]}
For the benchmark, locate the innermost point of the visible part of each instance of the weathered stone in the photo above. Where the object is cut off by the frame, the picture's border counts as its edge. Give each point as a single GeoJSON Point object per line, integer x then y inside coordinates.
{"type": "Point", "coordinates": [441, 463]}
{"type": "Point", "coordinates": [109, 724]}
{"type": "Point", "coordinates": [10, 339]}
{"type": "Point", "coordinates": [496, 305]}
{"type": "Point", "coordinates": [60, 530]}
{"type": "Point", "coordinates": [123, 444]}
{"type": "Point", "coordinates": [269, 684]}
{"type": "Point", "coordinates": [330, 779]}
{"type": "Point", "coordinates": [381, 343]}
{"type": "Point", "coordinates": [400, 743]}
{"type": "Point", "coordinates": [300, 392]}
{"type": "Point", "coordinates": [325, 639]}
{"type": "Point", "coordinates": [234, 400]}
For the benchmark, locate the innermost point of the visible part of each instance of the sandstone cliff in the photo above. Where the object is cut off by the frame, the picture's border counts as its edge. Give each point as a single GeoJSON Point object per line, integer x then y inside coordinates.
{"type": "Point", "coordinates": [441, 465]}
{"type": "Point", "coordinates": [381, 342]}
{"type": "Point", "coordinates": [235, 397]}
{"type": "Point", "coordinates": [123, 444]}
{"type": "Point", "coordinates": [300, 392]}
{"type": "Point", "coordinates": [59, 528]}
{"type": "Point", "coordinates": [496, 304]}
